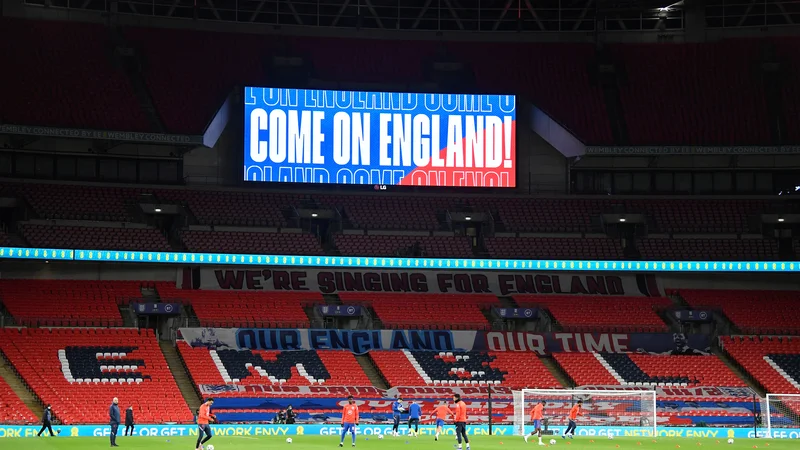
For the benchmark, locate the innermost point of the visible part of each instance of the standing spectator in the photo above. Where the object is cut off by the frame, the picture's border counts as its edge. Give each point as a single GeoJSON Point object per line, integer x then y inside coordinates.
{"type": "Point", "coordinates": [289, 415]}
{"type": "Point", "coordinates": [129, 422]}
{"type": "Point", "coordinates": [114, 420]}
{"type": "Point", "coordinates": [46, 418]}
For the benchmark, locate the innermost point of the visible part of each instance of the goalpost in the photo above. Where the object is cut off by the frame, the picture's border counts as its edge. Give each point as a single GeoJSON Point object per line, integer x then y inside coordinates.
{"type": "Point", "coordinates": [632, 411]}
{"type": "Point", "coordinates": [783, 411]}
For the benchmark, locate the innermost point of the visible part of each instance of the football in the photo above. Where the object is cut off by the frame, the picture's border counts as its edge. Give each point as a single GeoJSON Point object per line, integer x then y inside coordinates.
{"type": "Point", "coordinates": [611, 435]}
{"type": "Point", "coordinates": [380, 436]}
{"type": "Point", "coordinates": [288, 440]}
{"type": "Point", "coordinates": [730, 441]}
{"type": "Point", "coordinates": [209, 447]}
{"type": "Point", "coordinates": [552, 442]}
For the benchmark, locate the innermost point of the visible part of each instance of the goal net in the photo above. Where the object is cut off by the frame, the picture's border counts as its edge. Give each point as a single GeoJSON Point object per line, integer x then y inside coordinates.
{"type": "Point", "coordinates": [782, 413]}
{"type": "Point", "coordinates": [618, 412]}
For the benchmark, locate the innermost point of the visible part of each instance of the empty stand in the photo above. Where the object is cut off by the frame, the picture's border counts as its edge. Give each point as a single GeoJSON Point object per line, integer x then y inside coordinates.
{"type": "Point", "coordinates": [79, 371]}
{"type": "Point", "coordinates": [93, 238]}
{"type": "Point", "coordinates": [633, 369]}
{"type": "Point", "coordinates": [458, 369]}
{"type": "Point", "coordinates": [552, 76]}
{"type": "Point", "coordinates": [562, 215]}
{"type": "Point", "coordinates": [708, 249]}
{"type": "Point", "coordinates": [698, 215]}
{"type": "Point", "coordinates": [13, 411]}
{"type": "Point", "coordinates": [381, 245]}
{"type": "Point", "coordinates": [426, 311]}
{"type": "Point", "coordinates": [787, 50]}
{"type": "Point", "coordinates": [47, 87]}
{"type": "Point", "coordinates": [390, 212]}
{"type": "Point", "coordinates": [5, 239]}
{"type": "Point", "coordinates": [684, 94]}
{"type": "Point", "coordinates": [776, 311]}
{"type": "Point", "coordinates": [695, 94]}
{"type": "Point", "coordinates": [245, 308]}
{"type": "Point", "coordinates": [251, 242]}
{"type": "Point", "coordinates": [554, 248]}
{"type": "Point", "coordinates": [78, 202]}
{"type": "Point", "coordinates": [68, 302]}
{"type": "Point", "coordinates": [255, 209]}
{"type": "Point", "coordinates": [774, 362]}
{"type": "Point", "coordinates": [292, 368]}
{"type": "Point", "coordinates": [602, 313]}
{"type": "Point", "coordinates": [187, 98]}
{"type": "Point", "coordinates": [585, 369]}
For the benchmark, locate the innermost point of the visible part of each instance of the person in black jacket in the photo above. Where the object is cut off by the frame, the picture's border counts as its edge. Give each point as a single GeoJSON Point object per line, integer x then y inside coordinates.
{"type": "Point", "coordinates": [129, 423]}
{"type": "Point", "coordinates": [46, 418]}
{"type": "Point", "coordinates": [290, 415]}
{"type": "Point", "coordinates": [114, 420]}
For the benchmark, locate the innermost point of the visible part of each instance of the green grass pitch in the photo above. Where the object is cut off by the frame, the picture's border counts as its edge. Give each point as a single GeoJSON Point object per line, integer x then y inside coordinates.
{"type": "Point", "coordinates": [390, 443]}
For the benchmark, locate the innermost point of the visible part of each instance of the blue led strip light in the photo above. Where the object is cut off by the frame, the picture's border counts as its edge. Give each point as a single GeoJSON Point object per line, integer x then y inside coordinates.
{"type": "Point", "coordinates": [397, 263]}
{"type": "Point", "coordinates": [36, 253]}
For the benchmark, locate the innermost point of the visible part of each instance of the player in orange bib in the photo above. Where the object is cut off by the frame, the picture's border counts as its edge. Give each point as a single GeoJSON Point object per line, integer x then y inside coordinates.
{"type": "Point", "coordinates": [537, 415]}
{"type": "Point", "coordinates": [204, 417]}
{"type": "Point", "coordinates": [576, 411]}
{"type": "Point", "coordinates": [349, 420]}
{"type": "Point", "coordinates": [440, 414]}
{"type": "Point", "coordinates": [461, 421]}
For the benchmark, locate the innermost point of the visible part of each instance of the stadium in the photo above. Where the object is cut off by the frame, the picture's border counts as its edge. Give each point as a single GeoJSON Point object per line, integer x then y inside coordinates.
{"type": "Point", "coordinates": [383, 223]}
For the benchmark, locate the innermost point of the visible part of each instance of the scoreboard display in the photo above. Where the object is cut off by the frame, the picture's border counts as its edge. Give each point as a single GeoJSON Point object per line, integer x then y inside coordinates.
{"type": "Point", "coordinates": [379, 138]}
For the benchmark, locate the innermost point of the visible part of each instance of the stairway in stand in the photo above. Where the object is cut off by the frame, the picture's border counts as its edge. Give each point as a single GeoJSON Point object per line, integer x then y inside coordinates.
{"type": "Point", "coordinates": [557, 371]}
{"type": "Point", "coordinates": [372, 371]}
{"type": "Point", "coordinates": [19, 387]}
{"type": "Point", "coordinates": [182, 378]}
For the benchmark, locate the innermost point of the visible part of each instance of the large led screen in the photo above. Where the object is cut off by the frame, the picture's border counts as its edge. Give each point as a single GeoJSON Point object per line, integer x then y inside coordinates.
{"type": "Point", "coordinates": [379, 138]}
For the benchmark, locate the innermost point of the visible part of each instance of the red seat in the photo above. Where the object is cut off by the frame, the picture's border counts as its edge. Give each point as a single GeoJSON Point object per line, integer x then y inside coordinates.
{"type": "Point", "coordinates": [601, 313]}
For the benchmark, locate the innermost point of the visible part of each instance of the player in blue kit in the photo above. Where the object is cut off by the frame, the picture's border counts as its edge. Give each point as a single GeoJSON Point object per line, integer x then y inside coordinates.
{"type": "Point", "coordinates": [397, 411]}
{"type": "Point", "coordinates": [414, 414]}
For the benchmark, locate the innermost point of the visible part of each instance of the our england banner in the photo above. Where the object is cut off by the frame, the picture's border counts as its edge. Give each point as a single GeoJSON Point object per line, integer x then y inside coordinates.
{"type": "Point", "coordinates": [330, 281]}
{"type": "Point", "coordinates": [379, 138]}
{"type": "Point", "coordinates": [363, 341]}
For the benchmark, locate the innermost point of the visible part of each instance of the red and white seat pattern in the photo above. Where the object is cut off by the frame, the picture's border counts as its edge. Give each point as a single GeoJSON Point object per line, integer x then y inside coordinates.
{"type": "Point", "coordinates": [76, 371]}
{"type": "Point", "coordinates": [463, 369]}
{"type": "Point", "coordinates": [772, 361]}
{"type": "Point", "coordinates": [206, 368]}
{"type": "Point", "coordinates": [646, 370]}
